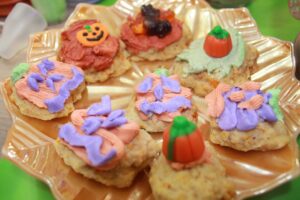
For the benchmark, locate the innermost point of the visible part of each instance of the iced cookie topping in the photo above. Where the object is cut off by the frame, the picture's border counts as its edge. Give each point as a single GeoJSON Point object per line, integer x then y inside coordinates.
{"type": "Point", "coordinates": [151, 28]}
{"type": "Point", "coordinates": [98, 135]}
{"type": "Point", "coordinates": [88, 45]}
{"type": "Point", "coordinates": [216, 54]}
{"type": "Point", "coordinates": [162, 96]}
{"type": "Point", "coordinates": [49, 84]}
{"type": "Point", "coordinates": [183, 144]}
{"type": "Point", "coordinates": [243, 107]}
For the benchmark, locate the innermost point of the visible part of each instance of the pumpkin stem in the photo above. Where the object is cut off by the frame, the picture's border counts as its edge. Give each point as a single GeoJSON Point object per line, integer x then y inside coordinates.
{"type": "Point", "coordinates": [181, 126]}
{"type": "Point", "coordinates": [219, 33]}
{"type": "Point", "coordinates": [88, 28]}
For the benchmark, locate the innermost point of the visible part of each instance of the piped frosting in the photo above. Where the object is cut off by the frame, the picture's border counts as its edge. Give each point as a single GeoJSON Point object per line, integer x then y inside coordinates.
{"type": "Point", "coordinates": [49, 84]}
{"type": "Point", "coordinates": [241, 107]}
{"type": "Point", "coordinates": [98, 135]}
{"type": "Point", "coordinates": [162, 96]}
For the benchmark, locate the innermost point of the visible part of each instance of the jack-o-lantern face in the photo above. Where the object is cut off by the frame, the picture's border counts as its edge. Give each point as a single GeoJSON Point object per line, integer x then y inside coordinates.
{"type": "Point", "coordinates": [92, 35]}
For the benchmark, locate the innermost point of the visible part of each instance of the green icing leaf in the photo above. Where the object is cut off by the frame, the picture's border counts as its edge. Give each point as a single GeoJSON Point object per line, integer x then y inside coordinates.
{"type": "Point", "coordinates": [181, 127]}
{"type": "Point", "coordinates": [19, 71]}
{"type": "Point", "coordinates": [162, 71]}
{"type": "Point", "coordinates": [219, 33]}
{"type": "Point", "coordinates": [274, 102]}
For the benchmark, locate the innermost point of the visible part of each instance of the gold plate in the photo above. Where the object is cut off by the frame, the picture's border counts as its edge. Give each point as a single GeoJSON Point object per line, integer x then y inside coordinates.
{"type": "Point", "coordinates": [30, 141]}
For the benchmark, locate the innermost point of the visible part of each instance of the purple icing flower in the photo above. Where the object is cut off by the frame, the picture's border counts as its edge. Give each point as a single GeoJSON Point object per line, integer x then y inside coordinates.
{"type": "Point", "coordinates": [45, 66]}
{"type": "Point", "coordinates": [102, 108]}
{"type": "Point", "coordinates": [228, 119]}
{"type": "Point", "coordinates": [146, 85]}
{"type": "Point", "coordinates": [247, 119]}
{"type": "Point", "coordinates": [171, 84]}
{"type": "Point", "coordinates": [266, 113]}
{"type": "Point", "coordinates": [159, 92]}
{"type": "Point", "coordinates": [92, 144]}
{"type": "Point", "coordinates": [91, 125]}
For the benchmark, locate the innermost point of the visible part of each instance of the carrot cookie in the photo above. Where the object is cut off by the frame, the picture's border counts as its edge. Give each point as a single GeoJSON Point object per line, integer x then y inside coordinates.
{"type": "Point", "coordinates": [87, 44]}
{"type": "Point", "coordinates": [154, 34]}
{"type": "Point", "coordinates": [159, 98]}
{"type": "Point", "coordinates": [188, 168]}
{"type": "Point", "coordinates": [47, 90]}
{"type": "Point", "coordinates": [246, 118]}
{"type": "Point", "coordinates": [103, 145]}
{"type": "Point", "coordinates": [221, 56]}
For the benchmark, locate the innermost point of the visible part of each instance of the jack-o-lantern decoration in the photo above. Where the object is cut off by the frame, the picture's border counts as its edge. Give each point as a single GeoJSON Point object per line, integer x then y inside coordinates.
{"type": "Point", "coordinates": [183, 141]}
{"type": "Point", "coordinates": [92, 35]}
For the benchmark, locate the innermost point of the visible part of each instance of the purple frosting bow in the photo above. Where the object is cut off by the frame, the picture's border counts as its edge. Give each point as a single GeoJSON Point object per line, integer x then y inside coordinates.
{"type": "Point", "coordinates": [245, 119]}
{"type": "Point", "coordinates": [92, 144]}
{"type": "Point", "coordinates": [56, 103]}
{"type": "Point", "coordinates": [95, 111]}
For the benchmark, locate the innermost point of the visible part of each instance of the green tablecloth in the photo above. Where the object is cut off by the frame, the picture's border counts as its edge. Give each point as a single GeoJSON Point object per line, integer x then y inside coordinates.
{"type": "Point", "coordinates": [273, 19]}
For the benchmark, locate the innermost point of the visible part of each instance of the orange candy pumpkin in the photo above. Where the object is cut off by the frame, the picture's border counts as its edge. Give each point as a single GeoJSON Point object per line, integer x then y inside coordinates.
{"type": "Point", "coordinates": [92, 35]}
{"type": "Point", "coordinates": [218, 43]}
{"type": "Point", "coordinates": [183, 142]}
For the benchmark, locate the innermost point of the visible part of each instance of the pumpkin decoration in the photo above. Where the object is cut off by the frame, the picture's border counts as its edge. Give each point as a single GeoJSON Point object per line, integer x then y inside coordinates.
{"type": "Point", "coordinates": [218, 43]}
{"type": "Point", "coordinates": [183, 141]}
{"type": "Point", "coordinates": [92, 35]}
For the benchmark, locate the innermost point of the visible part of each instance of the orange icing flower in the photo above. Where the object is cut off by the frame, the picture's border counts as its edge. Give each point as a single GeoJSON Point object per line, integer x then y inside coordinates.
{"type": "Point", "coordinates": [254, 103]}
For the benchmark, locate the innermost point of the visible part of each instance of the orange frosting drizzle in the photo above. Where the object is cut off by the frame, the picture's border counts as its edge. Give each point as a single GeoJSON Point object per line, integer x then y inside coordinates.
{"type": "Point", "coordinates": [38, 98]}
{"type": "Point", "coordinates": [254, 103]}
{"type": "Point", "coordinates": [250, 85]}
{"type": "Point", "coordinates": [216, 102]}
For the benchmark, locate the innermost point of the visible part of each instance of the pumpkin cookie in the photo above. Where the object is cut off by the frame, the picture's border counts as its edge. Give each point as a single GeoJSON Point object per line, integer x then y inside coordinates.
{"type": "Point", "coordinates": [221, 56]}
{"type": "Point", "coordinates": [47, 90]}
{"type": "Point", "coordinates": [103, 145]}
{"type": "Point", "coordinates": [155, 34]}
{"type": "Point", "coordinates": [188, 168]}
{"type": "Point", "coordinates": [246, 118]}
{"type": "Point", "coordinates": [87, 44]}
{"type": "Point", "coordinates": [158, 99]}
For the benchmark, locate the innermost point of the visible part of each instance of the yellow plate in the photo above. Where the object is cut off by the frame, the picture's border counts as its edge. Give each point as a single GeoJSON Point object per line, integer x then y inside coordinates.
{"type": "Point", "coordinates": [29, 141]}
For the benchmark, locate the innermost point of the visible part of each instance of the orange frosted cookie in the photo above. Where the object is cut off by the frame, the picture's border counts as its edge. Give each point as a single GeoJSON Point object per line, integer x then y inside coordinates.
{"type": "Point", "coordinates": [47, 90]}
{"type": "Point", "coordinates": [102, 144]}
{"type": "Point", "coordinates": [158, 99]}
{"type": "Point", "coordinates": [245, 118]}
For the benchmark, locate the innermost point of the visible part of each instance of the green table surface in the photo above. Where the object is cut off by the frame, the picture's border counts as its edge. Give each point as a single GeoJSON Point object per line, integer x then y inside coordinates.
{"type": "Point", "coordinates": [273, 19]}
